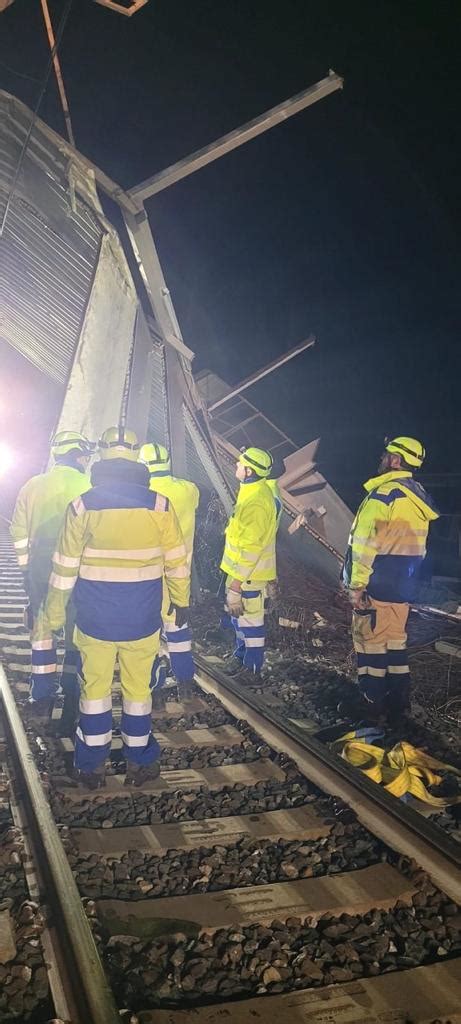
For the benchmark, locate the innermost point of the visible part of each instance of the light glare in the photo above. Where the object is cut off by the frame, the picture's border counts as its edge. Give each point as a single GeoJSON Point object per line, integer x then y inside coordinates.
{"type": "Point", "coordinates": [6, 458]}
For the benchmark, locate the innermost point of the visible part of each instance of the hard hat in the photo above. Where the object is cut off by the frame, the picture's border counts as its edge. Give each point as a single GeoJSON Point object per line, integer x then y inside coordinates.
{"type": "Point", "coordinates": [411, 450]}
{"type": "Point", "coordinates": [119, 443]}
{"type": "Point", "coordinates": [66, 441]}
{"type": "Point", "coordinates": [258, 460]}
{"type": "Point", "coordinates": [156, 458]}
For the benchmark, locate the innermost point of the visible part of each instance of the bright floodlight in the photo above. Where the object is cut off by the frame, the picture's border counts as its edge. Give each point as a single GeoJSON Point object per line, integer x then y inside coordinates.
{"type": "Point", "coordinates": [6, 458]}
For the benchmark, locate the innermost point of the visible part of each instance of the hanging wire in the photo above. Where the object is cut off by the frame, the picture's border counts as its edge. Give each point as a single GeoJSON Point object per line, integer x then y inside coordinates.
{"type": "Point", "coordinates": [19, 74]}
{"type": "Point", "coordinates": [61, 27]}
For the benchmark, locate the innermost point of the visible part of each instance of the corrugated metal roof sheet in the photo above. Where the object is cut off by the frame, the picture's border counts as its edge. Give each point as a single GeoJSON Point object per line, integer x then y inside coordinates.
{"type": "Point", "coordinates": [48, 251]}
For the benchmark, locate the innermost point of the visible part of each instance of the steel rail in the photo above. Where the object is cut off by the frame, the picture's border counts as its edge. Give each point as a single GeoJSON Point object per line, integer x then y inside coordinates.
{"type": "Point", "coordinates": [395, 823]}
{"type": "Point", "coordinates": [85, 980]}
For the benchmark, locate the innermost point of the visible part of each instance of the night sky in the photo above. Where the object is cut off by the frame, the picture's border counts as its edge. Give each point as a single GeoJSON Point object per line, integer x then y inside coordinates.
{"type": "Point", "coordinates": [344, 221]}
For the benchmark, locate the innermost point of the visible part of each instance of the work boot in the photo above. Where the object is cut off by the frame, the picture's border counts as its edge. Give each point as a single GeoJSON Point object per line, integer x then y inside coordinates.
{"type": "Point", "coordinates": [158, 698]}
{"type": "Point", "coordinates": [93, 780]}
{"type": "Point", "coordinates": [141, 774]}
{"type": "Point", "coordinates": [186, 689]}
{"type": "Point", "coordinates": [67, 724]}
{"type": "Point", "coordinates": [39, 710]}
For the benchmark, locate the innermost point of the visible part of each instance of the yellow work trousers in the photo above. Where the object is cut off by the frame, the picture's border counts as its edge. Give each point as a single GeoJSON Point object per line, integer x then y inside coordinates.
{"type": "Point", "coordinates": [94, 732]}
{"type": "Point", "coordinates": [380, 641]}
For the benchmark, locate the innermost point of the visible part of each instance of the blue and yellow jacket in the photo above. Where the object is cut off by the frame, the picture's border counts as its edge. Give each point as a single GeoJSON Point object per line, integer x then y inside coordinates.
{"type": "Point", "coordinates": [387, 543]}
{"type": "Point", "coordinates": [118, 542]}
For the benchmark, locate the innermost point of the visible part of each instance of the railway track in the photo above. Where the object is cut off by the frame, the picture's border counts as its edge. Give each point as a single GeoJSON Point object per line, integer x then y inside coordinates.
{"type": "Point", "coordinates": [258, 877]}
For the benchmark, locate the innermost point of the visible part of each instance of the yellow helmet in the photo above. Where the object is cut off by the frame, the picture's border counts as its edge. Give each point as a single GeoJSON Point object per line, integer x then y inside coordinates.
{"type": "Point", "coordinates": [119, 443]}
{"type": "Point", "coordinates": [258, 460]}
{"type": "Point", "coordinates": [66, 441]}
{"type": "Point", "coordinates": [411, 450]}
{"type": "Point", "coordinates": [156, 458]}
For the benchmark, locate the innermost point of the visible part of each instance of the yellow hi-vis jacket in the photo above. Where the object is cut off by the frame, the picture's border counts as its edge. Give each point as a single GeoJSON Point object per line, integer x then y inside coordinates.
{"type": "Point", "coordinates": [387, 543]}
{"type": "Point", "coordinates": [118, 542]}
{"type": "Point", "coordinates": [275, 489]}
{"type": "Point", "coordinates": [249, 552]}
{"type": "Point", "coordinates": [38, 517]}
{"type": "Point", "coordinates": [184, 497]}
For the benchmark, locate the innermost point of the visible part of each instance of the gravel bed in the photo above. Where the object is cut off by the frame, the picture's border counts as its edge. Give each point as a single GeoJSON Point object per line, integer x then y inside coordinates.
{"type": "Point", "coordinates": [137, 875]}
{"type": "Point", "coordinates": [24, 978]}
{"type": "Point", "coordinates": [285, 956]}
{"type": "Point", "coordinates": [13, 888]}
{"type": "Point", "coordinates": [182, 805]}
{"type": "Point", "coordinates": [23, 975]}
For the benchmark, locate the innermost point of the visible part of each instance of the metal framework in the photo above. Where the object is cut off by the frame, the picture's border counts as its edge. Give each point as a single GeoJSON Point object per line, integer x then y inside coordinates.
{"type": "Point", "coordinates": [183, 400]}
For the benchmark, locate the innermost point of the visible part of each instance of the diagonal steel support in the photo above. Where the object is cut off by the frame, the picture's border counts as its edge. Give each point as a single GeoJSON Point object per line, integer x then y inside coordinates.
{"type": "Point", "coordinates": [236, 138]}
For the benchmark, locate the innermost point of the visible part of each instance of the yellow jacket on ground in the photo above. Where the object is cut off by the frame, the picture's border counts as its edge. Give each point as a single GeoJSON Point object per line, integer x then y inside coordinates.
{"type": "Point", "coordinates": [249, 552]}
{"type": "Point", "coordinates": [388, 537]}
{"type": "Point", "coordinates": [38, 517]}
{"type": "Point", "coordinates": [118, 541]}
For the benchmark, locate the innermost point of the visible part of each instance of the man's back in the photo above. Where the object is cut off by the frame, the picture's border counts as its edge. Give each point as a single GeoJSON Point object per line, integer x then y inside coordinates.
{"type": "Point", "coordinates": [184, 496]}
{"type": "Point", "coordinates": [38, 517]}
{"type": "Point", "coordinates": [118, 539]}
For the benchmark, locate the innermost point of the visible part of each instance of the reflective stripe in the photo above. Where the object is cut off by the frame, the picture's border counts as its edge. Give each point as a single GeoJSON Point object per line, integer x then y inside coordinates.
{"type": "Point", "coordinates": [65, 560]}
{"type": "Point", "coordinates": [42, 670]}
{"type": "Point", "coordinates": [112, 574]}
{"type": "Point", "coordinates": [78, 507]}
{"type": "Point", "coordinates": [255, 620]}
{"type": "Point", "coordinates": [42, 645]}
{"type": "Point", "coordinates": [62, 582]}
{"type": "Point", "coordinates": [95, 707]}
{"type": "Point", "coordinates": [23, 559]}
{"type": "Point", "coordinates": [135, 741]}
{"type": "Point", "coordinates": [179, 572]}
{"type": "Point", "coordinates": [136, 707]}
{"type": "Point", "coordinates": [178, 552]}
{"type": "Point", "coordinates": [367, 670]}
{"type": "Point", "coordinates": [254, 641]}
{"type": "Point", "coordinates": [265, 563]}
{"type": "Point", "coordinates": [177, 648]}
{"type": "Point", "coordinates": [161, 503]}
{"type": "Point", "coordinates": [398, 670]}
{"type": "Point", "coordinates": [94, 741]}
{"type": "Point", "coordinates": [21, 543]}
{"type": "Point", "coordinates": [134, 554]}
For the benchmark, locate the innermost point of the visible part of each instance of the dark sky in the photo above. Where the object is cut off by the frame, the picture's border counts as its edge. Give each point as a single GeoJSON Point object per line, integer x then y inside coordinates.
{"type": "Point", "coordinates": [345, 221]}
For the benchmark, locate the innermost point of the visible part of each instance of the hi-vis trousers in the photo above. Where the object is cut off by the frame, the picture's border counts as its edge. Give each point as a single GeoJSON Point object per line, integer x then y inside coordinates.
{"type": "Point", "coordinates": [43, 679]}
{"type": "Point", "coordinates": [380, 641]}
{"type": "Point", "coordinates": [94, 731]}
{"type": "Point", "coordinates": [249, 628]}
{"type": "Point", "coordinates": [179, 643]}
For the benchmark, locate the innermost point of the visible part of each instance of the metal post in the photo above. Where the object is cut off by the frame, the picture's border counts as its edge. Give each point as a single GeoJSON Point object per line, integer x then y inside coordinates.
{"type": "Point", "coordinates": [264, 371]}
{"type": "Point", "coordinates": [236, 138]}
{"type": "Point", "coordinates": [57, 71]}
{"type": "Point", "coordinates": [143, 245]}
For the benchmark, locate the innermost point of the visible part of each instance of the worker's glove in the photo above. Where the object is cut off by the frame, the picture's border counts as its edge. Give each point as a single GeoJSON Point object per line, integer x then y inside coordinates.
{"type": "Point", "coordinates": [28, 618]}
{"type": "Point", "coordinates": [358, 598]}
{"type": "Point", "coordinates": [182, 615]}
{"type": "Point", "coordinates": [234, 603]}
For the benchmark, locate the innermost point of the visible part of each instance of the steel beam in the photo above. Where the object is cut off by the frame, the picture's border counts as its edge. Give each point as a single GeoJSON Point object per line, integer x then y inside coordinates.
{"type": "Point", "coordinates": [259, 374]}
{"type": "Point", "coordinates": [170, 175]}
